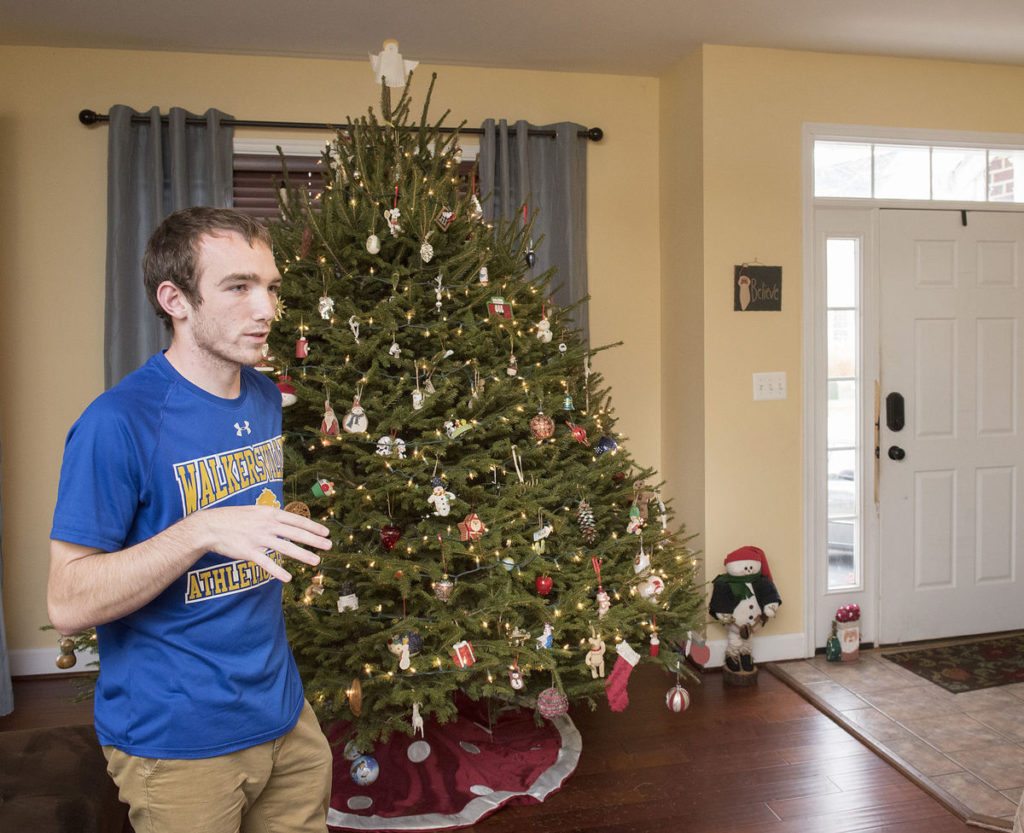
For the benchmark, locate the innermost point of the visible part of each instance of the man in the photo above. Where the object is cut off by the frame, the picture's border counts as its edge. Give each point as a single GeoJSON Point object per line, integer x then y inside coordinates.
{"type": "Point", "coordinates": [168, 536]}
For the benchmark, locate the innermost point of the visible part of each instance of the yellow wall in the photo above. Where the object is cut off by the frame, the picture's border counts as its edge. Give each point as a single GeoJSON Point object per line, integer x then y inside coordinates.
{"type": "Point", "coordinates": [755, 103]}
{"type": "Point", "coordinates": [682, 292]}
{"type": "Point", "coordinates": [53, 220]}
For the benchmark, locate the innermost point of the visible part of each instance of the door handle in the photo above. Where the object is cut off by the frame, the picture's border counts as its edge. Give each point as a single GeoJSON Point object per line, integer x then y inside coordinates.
{"type": "Point", "coordinates": [896, 453]}
{"type": "Point", "coordinates": [894, 412]}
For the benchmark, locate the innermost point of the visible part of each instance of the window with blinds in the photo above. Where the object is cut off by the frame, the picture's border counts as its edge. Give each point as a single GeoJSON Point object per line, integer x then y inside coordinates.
{"type": "Point", "coordinates": [258, 178]}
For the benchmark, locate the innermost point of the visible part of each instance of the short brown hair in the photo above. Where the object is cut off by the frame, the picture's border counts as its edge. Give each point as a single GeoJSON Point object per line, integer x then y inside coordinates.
{"type": "Point", "coordinates": [172, 253]}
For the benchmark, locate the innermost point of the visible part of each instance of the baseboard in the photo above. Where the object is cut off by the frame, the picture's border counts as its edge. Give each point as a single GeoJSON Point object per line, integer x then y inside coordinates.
{"type": "Point", "coordinates": [32, 662]}
{"type": "Point", "coordinates": [766, 648]}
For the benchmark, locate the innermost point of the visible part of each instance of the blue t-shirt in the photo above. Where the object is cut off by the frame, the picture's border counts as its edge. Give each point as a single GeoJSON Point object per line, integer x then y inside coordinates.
{"type": "Point", "coordinates": [204, 669]}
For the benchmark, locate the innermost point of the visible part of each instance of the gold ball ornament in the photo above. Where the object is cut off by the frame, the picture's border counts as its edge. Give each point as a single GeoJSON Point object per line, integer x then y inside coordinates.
{"type": "Point", "coordinates": [297, 507]}
{"type": "Point", "coordinates": [542, 427]}
{"type": "Point", "coordinates": [355, 697]}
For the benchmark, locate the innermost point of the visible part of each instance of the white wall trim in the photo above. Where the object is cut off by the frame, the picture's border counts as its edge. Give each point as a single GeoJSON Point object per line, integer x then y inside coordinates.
{"type": "Point", "coordinates": [766, 648]}
{"type": "Point", "coordinates": [33, 662]}
{"type": "Point", "coordinates": [315, 147]}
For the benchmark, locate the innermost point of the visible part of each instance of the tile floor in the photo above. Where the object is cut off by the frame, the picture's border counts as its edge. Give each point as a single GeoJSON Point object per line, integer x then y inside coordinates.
{"type": "Point", "coordinates": [970, 745]}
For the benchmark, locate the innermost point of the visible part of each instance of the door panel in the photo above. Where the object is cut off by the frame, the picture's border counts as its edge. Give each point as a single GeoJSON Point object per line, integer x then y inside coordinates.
{"type": "Point", "coordinates": [951, 303]}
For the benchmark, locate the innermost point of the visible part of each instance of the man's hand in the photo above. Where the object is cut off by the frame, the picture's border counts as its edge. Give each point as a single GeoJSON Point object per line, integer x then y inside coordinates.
{"type": "Point", "coordinates": [252, 533]}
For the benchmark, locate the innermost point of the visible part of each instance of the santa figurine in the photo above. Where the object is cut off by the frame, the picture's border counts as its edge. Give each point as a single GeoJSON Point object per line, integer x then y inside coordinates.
{"type": "Point", "coordinates": [744, 598]}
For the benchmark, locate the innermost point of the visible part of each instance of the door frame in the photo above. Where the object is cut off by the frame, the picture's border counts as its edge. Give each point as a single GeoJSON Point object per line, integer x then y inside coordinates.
{"type": "Point", "coordinates": [860, 218]}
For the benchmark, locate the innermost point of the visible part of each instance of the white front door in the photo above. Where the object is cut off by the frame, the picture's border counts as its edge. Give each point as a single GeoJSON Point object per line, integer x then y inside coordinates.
{"type": "Point", "coordinates": [950, 489]}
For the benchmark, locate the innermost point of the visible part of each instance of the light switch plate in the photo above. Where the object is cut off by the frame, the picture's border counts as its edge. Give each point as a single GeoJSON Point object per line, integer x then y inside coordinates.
{"type": "Point", "coordinates": [770, 385]}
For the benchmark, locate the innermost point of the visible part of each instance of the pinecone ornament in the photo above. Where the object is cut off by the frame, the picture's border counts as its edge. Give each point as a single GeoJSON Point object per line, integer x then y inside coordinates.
{"type": "Point", "coordinates": [585, 518]}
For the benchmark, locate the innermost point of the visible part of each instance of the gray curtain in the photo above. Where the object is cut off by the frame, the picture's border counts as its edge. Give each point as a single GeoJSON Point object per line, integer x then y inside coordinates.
{"type": "Point", "coordinates": [549, 175]}
{"type": "Point", "coordinates": [6, 695]}
{"type": "Point", "coordinates": [154, 168]}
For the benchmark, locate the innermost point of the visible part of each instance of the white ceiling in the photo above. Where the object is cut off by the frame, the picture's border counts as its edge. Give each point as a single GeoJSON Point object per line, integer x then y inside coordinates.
{"type": "Point", "coordinates": [635, 37]}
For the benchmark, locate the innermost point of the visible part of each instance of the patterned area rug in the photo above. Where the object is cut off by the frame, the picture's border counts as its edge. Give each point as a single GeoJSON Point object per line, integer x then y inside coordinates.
{"type": "Point", "coordinates": [967, 666]}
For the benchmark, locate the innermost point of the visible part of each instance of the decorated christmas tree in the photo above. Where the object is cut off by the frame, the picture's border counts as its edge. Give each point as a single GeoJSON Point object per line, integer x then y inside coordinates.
{"type": "Point", "coordinates": [492, 534]}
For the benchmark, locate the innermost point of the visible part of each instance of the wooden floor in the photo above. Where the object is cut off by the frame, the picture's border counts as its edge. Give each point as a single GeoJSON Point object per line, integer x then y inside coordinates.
{"type": "Point", "coordinates": [738, 761]}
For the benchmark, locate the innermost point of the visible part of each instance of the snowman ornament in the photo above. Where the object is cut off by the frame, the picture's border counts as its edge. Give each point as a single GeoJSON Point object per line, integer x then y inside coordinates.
{"type": "Point", "coordinates": [440, 499]}
{"type": "Point", "coordinates": [355, 421]}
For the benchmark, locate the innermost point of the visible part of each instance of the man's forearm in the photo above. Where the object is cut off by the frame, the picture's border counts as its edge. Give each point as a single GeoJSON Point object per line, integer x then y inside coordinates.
{"type": "Point", "coordinates": [89, 587]}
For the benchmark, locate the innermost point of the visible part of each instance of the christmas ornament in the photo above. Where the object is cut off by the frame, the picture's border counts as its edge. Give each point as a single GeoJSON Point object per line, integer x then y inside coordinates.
{"type": "Point", "coordinates": [314, 590]}
{"type": "Point", "coordinates": [445, 217]}
{"type": "Point", "coordinates": [426, 252]}
{"type": "Point", "coordinates": [547, 638]}
{"type": "Point", "coordinates": [677, 699]}
{"type": "Point", "coordinates": [266, 362]}
{"type": "Point", "coordinates": [540, 537]}
{"type": "Point", "coordinates": [392, 215]}
{"type": "Point", "coordinates": [389, 535]}
{"type": "Point", "coordinates": [355, 697]}
{"type": "Point", "coordinates": [443, 588]}
{"type": "Point", "coordinates": [384, 446]}
{"type": "Point", "coordinates": [301, 347]}
{"type": "Point", "coordinates": [508, 563]}
{"type": "Point", "coordinates": [655, 648]}
{"type": "Point", "coordinates": [518, 637]}
{"type": "Point", "coordinates": [297, 507]}
{"type": "Point", "coordinates": [513, 366]}
{"type": "Point", "coordinates": [325, 306]}
{"type": "Point", "coordinates": [417, 399]}
{"type": "Point", "coordinates": [544, 584]}
{"type": "Point", "coordinates": [498, 306]}
{"type": "Point", "coordinates": [353, 325]}
{"type": "Point", "coordinates": [355, 420]}
{"type": "Point", "coordinates": [604, 445]}
{"type": "Point", "coordinates": [477, 210]}
{"type": "Point", "coordinates": [551, 703]}
{"type": "Point", "coordinates": [696, 649]}
{"type": "Point", "coordinates": [329, 424]}
{"type": "Point", "coordinates": [542, 426]}
{"type": "Point", "coordinates": [323, 488]}
{"type": "Point", "coordinates": [395, 350]}
{"type": "Point", "coordinates": [440, 498]}
{"type": "Point", "coordinates": [364, 770]}
{"type": "Point", "coordinates": [67, 658]}
{"type": "Point", "coordinates": [585, 518]}
{"type": "Point", "coordinates": [456, 428]}
{"type": "Point", "coordinates": [373, 244]}
{"type": "Point", "coordinates": [604, 603]}
{"type": "Point", "coordinates": [515, 676]}
{"type": "Point", "coordinates": [417, 720]}
{"type": "Point", "coordinates": [579, 433]}
{"type": "Point", "coordinates": [462, 654]}
{"type": "Point", "coordinates": [636, 523]}
{"type": "Point", "coordinates": [567, 404]}
{"type": "Point", "coordinates": [471, 528]}
{"type": "Point", "coordinates": [562, 347]}
{"type": "Point", "coordinates": [618, 680]}
{"type": "Point", "coordinates": [595, 656]}
{"type": "Point", "coordinates": [651, 587]}
{"type": "Point", "coordinates": [544, 331]}
{"type": "Point", "coordinates": [347, 598]}
{"type": "Point", "coordinates": [531, 255]}
{"type": "Point", "coordinates": [288, 397]}
{"type": "Point", "coordinates": [484, 277]}
{"type": "Point", "coordinates": [398, 448]}
{"type": "Point", "coordinates": [351, 751]}
{"type": "Point", "coordinates": [390, 68]}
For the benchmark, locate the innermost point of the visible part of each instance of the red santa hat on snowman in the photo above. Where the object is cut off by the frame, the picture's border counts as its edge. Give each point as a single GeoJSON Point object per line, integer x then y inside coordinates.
{"type": "Point", "coordinates": [748, 553]}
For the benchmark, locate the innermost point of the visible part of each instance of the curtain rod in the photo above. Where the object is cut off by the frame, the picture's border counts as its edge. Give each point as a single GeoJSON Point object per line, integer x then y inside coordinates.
{"type": "Point", "coordinates": [91, 117]}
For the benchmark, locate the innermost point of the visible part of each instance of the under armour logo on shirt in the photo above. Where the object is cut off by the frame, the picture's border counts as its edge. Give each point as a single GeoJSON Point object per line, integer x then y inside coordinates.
{"type": "Point", "coordinates": [243, 427]}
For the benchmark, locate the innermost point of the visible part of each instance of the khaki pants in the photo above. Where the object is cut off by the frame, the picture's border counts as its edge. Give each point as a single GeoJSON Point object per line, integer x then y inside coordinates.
{"type": "Point", "coordinates": [282, 786]}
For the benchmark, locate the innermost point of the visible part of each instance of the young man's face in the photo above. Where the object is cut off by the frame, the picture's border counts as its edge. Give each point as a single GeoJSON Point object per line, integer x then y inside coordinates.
{"type": "Point", "coordinates": [238, 284]}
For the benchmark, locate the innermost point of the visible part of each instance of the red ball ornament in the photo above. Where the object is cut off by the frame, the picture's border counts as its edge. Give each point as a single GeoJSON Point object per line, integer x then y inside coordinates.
{"type": "Point", "coordinates": [542, 427]}
{"type": "Point", "coordinates": [389, 535]}
{"type": "Point", "coordinates": [677, 699]}
{"type": "Point", "coordinates": [552, 703]}
{"type": "Point", "coordinates": [544, 584]}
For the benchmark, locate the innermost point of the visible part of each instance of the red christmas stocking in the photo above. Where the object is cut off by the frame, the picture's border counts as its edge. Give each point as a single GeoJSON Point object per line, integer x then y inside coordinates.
{"type": "Point", "coordinates": [615, 688]}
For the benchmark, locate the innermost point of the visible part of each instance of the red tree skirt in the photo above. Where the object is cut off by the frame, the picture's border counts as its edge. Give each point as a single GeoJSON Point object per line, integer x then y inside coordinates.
{"type": "Point", "coordinates": [468, 774]}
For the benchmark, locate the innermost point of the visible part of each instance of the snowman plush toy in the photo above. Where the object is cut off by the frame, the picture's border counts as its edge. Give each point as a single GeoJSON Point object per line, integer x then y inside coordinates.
{"type": "Point", "coordinates": [744, 598]}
